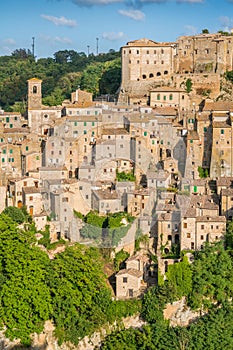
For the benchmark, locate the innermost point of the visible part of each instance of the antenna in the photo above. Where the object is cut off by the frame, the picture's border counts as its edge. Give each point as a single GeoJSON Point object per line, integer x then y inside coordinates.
{"type": "Point", "coordinates": [33, 47]}
{"type": "Point", "coordinates": [97, 46]}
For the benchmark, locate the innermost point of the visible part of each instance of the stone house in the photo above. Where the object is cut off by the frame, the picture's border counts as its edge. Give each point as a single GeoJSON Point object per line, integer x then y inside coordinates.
{"type": "Point", "coordinates": [128, 283]}
{"type": "Point", "coordinates": [139, 262]}
{"type": "Point", "coordinates": [168, 229]}
{"type": "Point", "coordinates": [158, 179]}
{"type": "Point", "coordinates": [167, 96]}
{"type": "Point", "coordinates": [139, 201]}
{"type": "Point", "coordinates": [15, 189]}
{"type": "Point", "coordinates": [106, 201]}
{"type": "Point", "coordinates": [201, 222]}
{"type": "Point", "coordinates": [226, 200]}
{"type": "Point", "coordinates": [32, 199]}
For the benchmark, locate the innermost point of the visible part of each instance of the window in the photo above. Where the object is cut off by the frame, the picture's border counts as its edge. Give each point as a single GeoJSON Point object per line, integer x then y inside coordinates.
{"type": "Point", "coordinates": [125, 279]}
{"type": "Point", "coordinates": [222, 131]}
{"type": "Point", "coordinates": [192, 245]}
{"type": "Point", "coordinates": [11, 151]}
{"type": "Point", "coordinates": [185, 225]}
{"type": "Point", "coordinates": [202, 227]}
{"type": "Point", "coordinates": [65, 199]}
{"type": "Point", "coordinates": [202, 237]}
{"type": "Point", "coordinates": [188, 235]}
{"type": "Point", "coordinates": [170, 97]}
{"type": "Point", "coordinates": [137, 52]}
{"type": "Point", "coordinates": [85, 123]}
{"type": "Point", "coordinates": [145, 133]}
{"type": "Point", "coordinates": [31, 198]}
{"type": "Point", "coordinates": [11, 126]}
{"type": "Point", "coordinates": [34, 89]}
{"type": "Point", "coordinates": [26, 148]}
{"type": "Point", "coordinates": [75, 123]}
{"type": "Point", "coordinates": [164, 98]}
{"type": "Point", "coordinates": [158, 97]}
{"type": "Point", "coordinates": [7, 119]}
{"type": "Point", "coordinates": [85, 132]}
{"type": "Point", "coordinates": [147, 52]}
{"type": "Point", "coordinates": [205, 129]}
{"type": "Point", "coordinates": [4, 151]}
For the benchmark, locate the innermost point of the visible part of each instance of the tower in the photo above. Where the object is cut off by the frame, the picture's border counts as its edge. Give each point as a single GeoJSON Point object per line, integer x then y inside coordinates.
{"type": "Point", "coordinates": [34, 93]}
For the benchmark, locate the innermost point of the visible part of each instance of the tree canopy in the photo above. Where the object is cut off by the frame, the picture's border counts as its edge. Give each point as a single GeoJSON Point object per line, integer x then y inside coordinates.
{"type": "Point", "coordinates": [61, 75]}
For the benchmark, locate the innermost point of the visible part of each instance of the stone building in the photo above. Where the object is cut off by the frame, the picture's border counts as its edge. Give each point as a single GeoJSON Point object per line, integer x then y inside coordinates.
{"type": "Point", "coordinates": [147, 64]}
{"type": "Point", "coordinates": [128, 283]}
{"type": "Point", "coordinates": [40, 118]}
{"type": "Point", "coordinates": [201, 222]}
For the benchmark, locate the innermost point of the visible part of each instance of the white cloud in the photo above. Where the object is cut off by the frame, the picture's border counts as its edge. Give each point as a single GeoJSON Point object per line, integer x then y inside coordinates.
{"type": "Point", "coordinates": [131, 3]}
{"type": "Point", "coordinates": [226, 23]}
{"type": "Point", "coordinates": [134, 14]}
{"type": "Point", "coordinates": [57, 39]}
{"type": "Point", "coordinates": [10, 41]}
{"type": "Point", "coordinates": [111, 36]}
{"type": "Point", "coordinates": [191, 1]}
{"type": "Point", "coordinates": [190, 30]}
{"type": "Point", "coordinates": [60, 21]}
{"type": "Point", "coordinates": [95, 2]}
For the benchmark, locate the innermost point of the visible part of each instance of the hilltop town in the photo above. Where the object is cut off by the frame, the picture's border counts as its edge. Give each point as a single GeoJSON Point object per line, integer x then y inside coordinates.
{"type": "Point", "coordinates": [160, 157]}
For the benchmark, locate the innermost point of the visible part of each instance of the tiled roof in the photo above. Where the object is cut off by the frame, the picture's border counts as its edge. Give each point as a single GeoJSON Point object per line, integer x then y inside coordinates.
{"type": "Point", "coordinates": [132, 272]}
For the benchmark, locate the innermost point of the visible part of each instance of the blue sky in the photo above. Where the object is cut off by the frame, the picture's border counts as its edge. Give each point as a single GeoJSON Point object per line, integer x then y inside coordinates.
{"type": "Point", "coordinates": [76, 24]}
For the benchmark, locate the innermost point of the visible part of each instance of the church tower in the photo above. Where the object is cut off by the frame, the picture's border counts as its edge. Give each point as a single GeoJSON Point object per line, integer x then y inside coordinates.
{"type": "Point", "coordinates": [34, 94]}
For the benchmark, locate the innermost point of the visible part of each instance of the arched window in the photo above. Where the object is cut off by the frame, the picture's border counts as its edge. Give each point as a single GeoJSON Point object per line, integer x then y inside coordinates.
{"type": "Point", "coordinates": [158, 74]}
{"type": "Point", "coordinates": [34, 89]}
{"type": "Point", "coordinates": [144, 76]}
{"type": "Point", "coordinates": [151, 75]}
{"type": "Point", "coordinates": [165, 72]}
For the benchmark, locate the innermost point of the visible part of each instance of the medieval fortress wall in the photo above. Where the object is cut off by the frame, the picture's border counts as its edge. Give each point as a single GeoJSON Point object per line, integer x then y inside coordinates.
{"type": "Point", "coordinates": [147, 64]}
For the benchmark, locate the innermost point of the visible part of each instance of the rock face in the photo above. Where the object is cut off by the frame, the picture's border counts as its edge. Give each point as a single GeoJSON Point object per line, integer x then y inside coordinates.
{"type": "Point", "coordinates": [180, 314]}
{"type": "Point", "coordinates": [47, 341]}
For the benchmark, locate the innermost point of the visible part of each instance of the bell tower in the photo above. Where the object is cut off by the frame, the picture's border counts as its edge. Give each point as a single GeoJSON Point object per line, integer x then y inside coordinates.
{"type": "Point", "coordinates": [34, 93]}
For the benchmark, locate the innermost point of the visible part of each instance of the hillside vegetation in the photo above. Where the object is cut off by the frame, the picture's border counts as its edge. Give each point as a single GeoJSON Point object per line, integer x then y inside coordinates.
{"type": "Point", "coordinates": [61, 75]}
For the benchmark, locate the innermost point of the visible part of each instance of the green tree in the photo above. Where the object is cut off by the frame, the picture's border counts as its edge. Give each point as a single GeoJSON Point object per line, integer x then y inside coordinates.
{"type": "Point", "coordinates": [25, 300]}
{"type": "Point", "coordinates": [15, 214]}
{"type": "Point", "coordinates": [188, 85]}
{"type": "Point", "coordinates": [179, 276]}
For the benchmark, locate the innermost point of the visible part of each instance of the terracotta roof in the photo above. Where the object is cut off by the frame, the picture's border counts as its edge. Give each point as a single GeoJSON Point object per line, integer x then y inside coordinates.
{"type": "Point", "coordinates": [31, 190]}
{"type": "Point", "coordinates": [106, 194]}
{"type": "Point", "coordinates": [167, 88]}
{"type": "Point", "coordinates": [218, 106]}
{"type": "Point", "coordinates": [211, 218]}
{"type": "Point", "coordinates": [115, 131]}
{"type": "Point", "coordinates": [221, 124]}
{"type": "Point", "coordinates": [132, 272]}
{"type": "Point", "coordinates": [228, 192]}
{"type": "Point", "coordinates": [192, 135]}
{"type": "Point", "coordinates": [225, 181]}
{"type": "Point", "coordinates": [171, 111]}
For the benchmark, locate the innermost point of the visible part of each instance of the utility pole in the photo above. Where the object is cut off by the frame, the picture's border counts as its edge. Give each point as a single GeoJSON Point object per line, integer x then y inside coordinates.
{"type": "Point", "coordinates": [33, 47]}
{"type": "Point", "coordinates": [97, 46]}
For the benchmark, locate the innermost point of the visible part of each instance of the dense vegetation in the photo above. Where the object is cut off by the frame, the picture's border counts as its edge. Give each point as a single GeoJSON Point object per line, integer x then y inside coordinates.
{"type": "Point", "coordinates": [61, 75]}
{"type": "Point", "coordinates": [105, 230]}
{"type": "Point", "coordinates": [207, 285]}
{"type": "Point", "coordinates": [71, 289]}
